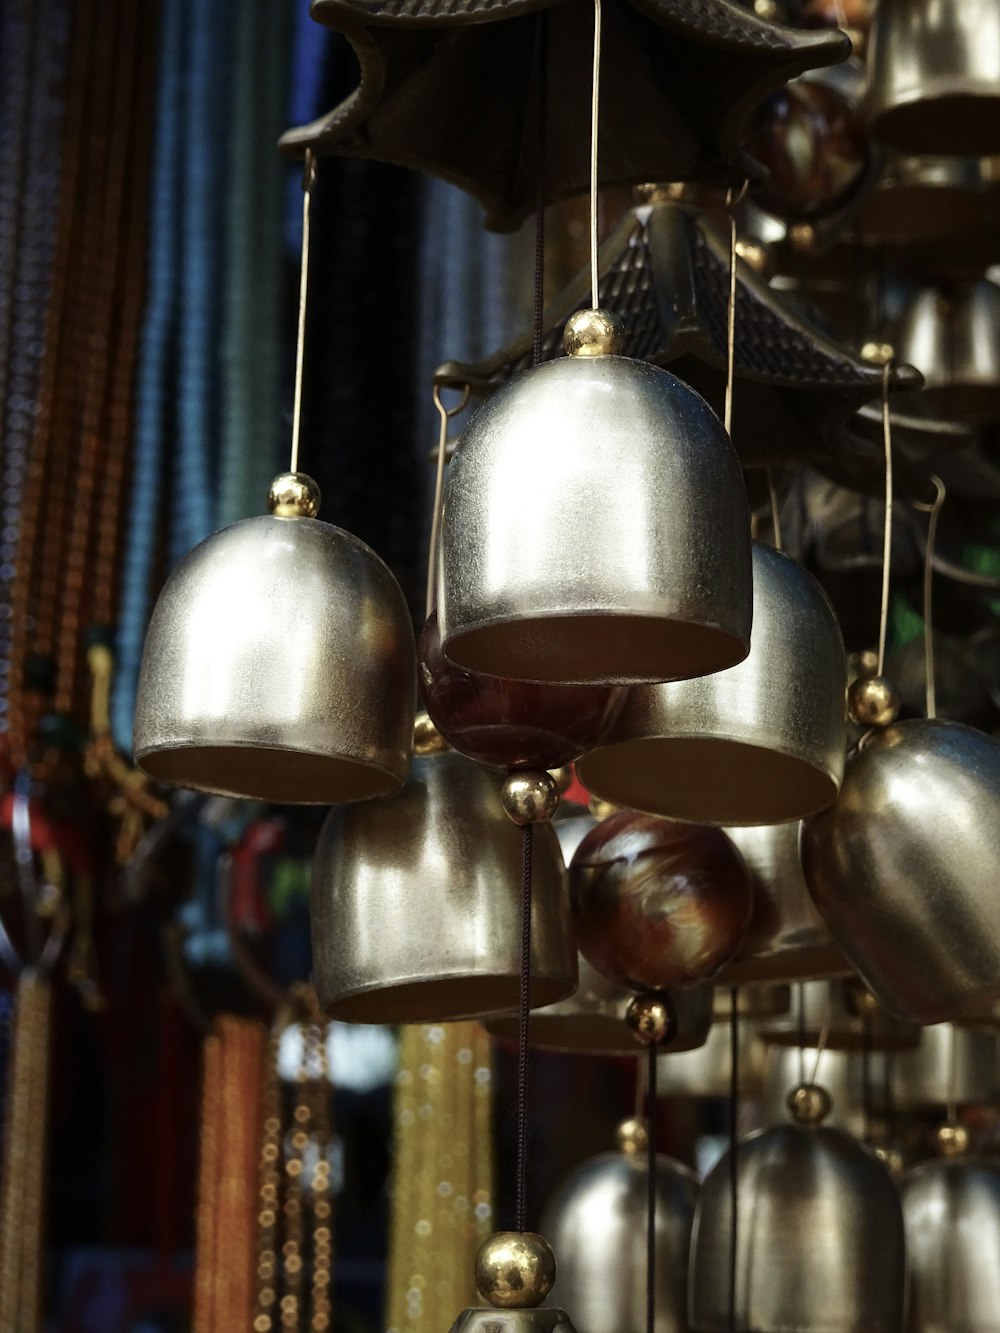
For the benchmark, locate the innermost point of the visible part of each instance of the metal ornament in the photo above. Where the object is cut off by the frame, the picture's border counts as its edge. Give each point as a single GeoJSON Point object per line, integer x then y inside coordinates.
{"type": "Point", "coordinates": [951, 1209]}
{"type": "Point", "coordinates": [279, 664]}
{"type": "Point", "coordinates": [838, 1072]}
{"type": "Point", "coordinates": [934, 76]}
{"type": "Point", "coordinates": [950, 337]}
{"type": "Point", "coordinates": [415, 904]}
{"type": "Point", "coordinates": [597, 1222]}
{"type": "Point", "coordinates": [902, 868]}
{"type": "Point", "coordinates": [952, 1066]}
{"type": "Point", "coordinates": [762, 743]}
{"type": "Point", "coordinates": [820, 1239]}
{"type": "Point", "coordinates": [630, 455]}
{"type": "Point", "coordinates": [787, 939]}
{"type": "Point", "coordinates": [848, 1016]}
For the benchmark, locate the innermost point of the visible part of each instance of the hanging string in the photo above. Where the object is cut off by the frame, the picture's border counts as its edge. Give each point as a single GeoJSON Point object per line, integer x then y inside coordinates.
{"type": "Point", "coordinates": [800, 1008]}
{"type": "Point", "coordinates": [934, 510]}
{"type": "Point", "coordinates": [887, 539]}
{"type": "Point", "coordinates": [732, 202]}
{"type": "Point", "coordinates": [823, 1037]}
{"type": "Point", "coordinates": [542, 75]}
{"type": "Point", "coordinates": [595, 106]}
{"type": "Point", "coordinates": [952, 1076]}
{"type": "Point", "coordinates": [524, 1015]}
{"type": "Point", "coordinates": [308, 182]}
{"type": "Point", "coordinates": [734, 1104]}
{"type": "Point", "coordinates": [651, 1164]}
{"type": "Point", "coordinates": [442, 450]}
{"type": "Point", "coordinates": [775, 510]}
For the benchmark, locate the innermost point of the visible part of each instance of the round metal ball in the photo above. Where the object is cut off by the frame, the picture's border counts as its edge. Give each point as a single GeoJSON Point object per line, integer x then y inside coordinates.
{"type": "Point", "coordinates": [631, 1137]}
{"type": "Point", "coordinates": [293, 495]}
{"type": "Point", "coordinates": [594, 333]}
{"type": "Point", "coordinates": [530, 798]}
{"type": "Point", "coordinates": [951, 1140]}
{"type": "Point", "coordinates": [873, 701]}
{"type": "Point", "coordinates": [515, 1270]}
{"type": "Point", "coordinates": [809, 1104]}
{"type": "Point", "coordinates": [892, 1159]}
{"type": "Point", "coordinates": [653, 1019]}
{"type": "Point", "coordinates": [426, 737]}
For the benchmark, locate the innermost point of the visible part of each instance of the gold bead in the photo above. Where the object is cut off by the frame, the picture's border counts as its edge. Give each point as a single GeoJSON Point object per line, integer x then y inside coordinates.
{"type": "Point", "coordinates": [755, 256]}
{"type": "Point", "coordinates": [601, 809]}
{"type": "Point", "coordinates": [529, 798]}
{"type": "Point", "coordinates": [652, 1019]}
{"type": "Point", "coordinates": [632, 1137]}
{"type": "Point", "coordinates": [893, 1161]}
{"type": "Point", "coordinates": [952, 1140]}
{"type": "Point", "coordinates": [877, 354]}
{"type": "Point", "coordinates": [873, 701]}
{"type": "Point", "coordinates": [861, 1001]}
{"type": "Point", "coordinates": [593, 333]}
{"type": "Point", "coordinates": [426, 737]}
{"type": "Point", "coordinates": [562, 777]}
{"type": "Point", "coordinates": [293, 495]}
{"type": "Point", "coordinates": [809, 1104]}
{"type": "Point", "coordinates": [515, 1270]}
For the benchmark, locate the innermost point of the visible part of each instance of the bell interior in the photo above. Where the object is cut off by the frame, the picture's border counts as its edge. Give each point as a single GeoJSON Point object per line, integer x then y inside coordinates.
{"type": "Point", "coordinates": [908, 213]}
{"type": "Point", "coordinates": [441, 999]}
{"type": "Point", "coordinates": [934, 125]}
{"type": "Point", "coordinates": [596, 649]}
{"type": "Point", "coordinates": [585, 1034]}
{"type": "Point", "coordinates": [707, 780]}
{"type": "Point", "coordinates": [286, 777]}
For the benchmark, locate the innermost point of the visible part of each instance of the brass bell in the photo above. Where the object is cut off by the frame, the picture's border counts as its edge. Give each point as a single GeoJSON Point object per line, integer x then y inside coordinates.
{"type": "Point", "coordinates": [819, 1238]}
{"type": "Point", "coordinates": [902, 868]}
{"type": "Point", "coordinates": [934, 76]}
{"type": "Point", "coordinates": [950, 337]}
{"type": "Point", "coordinates": [707, 1071]}
{"type": "Point", "coordinates": [597, 1221]}
{"type": "Point", "coordinates": [951, 1065]}
{"type": "Point", "coordinates": [630, 455]}
{"type": "Point", "coordinates": [762, 743]}
{"type": "Point", "coordinates": [279, 664]}
{"type": "Point", "coordinates": [924, 199]}
{"type": "Point", "coordinates": [833, 1008]}
{"type": "Point", "coordinates": [416, 903]}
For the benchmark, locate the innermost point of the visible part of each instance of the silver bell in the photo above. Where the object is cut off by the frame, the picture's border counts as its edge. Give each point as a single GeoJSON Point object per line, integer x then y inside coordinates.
{"type": "Point", "coordinates": [819, 1241]}
{"type": "Point", "coordinates": [951, 1064]}
{"type": "Point", "coordinates": [849, 1017]}
{"type": "Point", "coordinates": [279, 664]}
{"type": "Point", "coordinates": [903, 868]}
{"type": "Point", "coordinates": [950, 338]}
{"type": "Point", "coordinates": [597, 1225]}
{"type": "Point", "coordinates": [416, 903]}
{"type": "Point", "coordinates": [707, 1071]}
{"type": "Point", "coordinates": [924, 199]}
{"type": "Point", "coordinates": [629, 455]}
{"type": "Point", "coordinates": [762, 743]}
{"type": "Point", "coordinates": [952, 1213]}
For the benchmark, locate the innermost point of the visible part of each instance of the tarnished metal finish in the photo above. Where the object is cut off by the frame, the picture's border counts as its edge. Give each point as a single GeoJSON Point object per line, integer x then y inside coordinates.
{"type": "Point", "coordinates": [279, 664]}
{"type": "Point", "coordinates": [630, 455]}
{"type": "Point", "coordinates": [903, 868]}
{"type": "Point", "coordinates": [592, 1020]}
{"type": "Point", "coordinates": [597, 1225]}
{"type": "Point", "coordinates": [761, 743]}
{"type": "Point", "coordinates": [950, 1064]}
{"type": "Point", "coordinates": [820, 1239]}
{"type": "Point", "coordinates": [787, 939]}
{"type": "Point", "coordinates": [834, 1006]}
{"type": "Point", "coordinates": [705, 1072]}
{"type": "Point", "coordinates": [934, 76]}
{"type": "Point", "coordinates": [923, 199]}
{"type": "Point", "coordinates": [951, 1210]}
{"type": "Point", "coordinates": [416, 903]}
{"type": "Point", "coordinates": [839, 1072]}
{"type": "Point", "coordinates": [951, 336]}
{"type": "Point", "coordinates": [488, 1319]}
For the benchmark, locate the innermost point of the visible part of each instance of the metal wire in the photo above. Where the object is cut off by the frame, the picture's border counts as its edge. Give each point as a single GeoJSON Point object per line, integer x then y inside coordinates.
{"type": "Point", "coordinates": [308, 181]}
{"type": "Point", "coordinates": [934, 509]}
{"type": "Point", "coordinates": [887, 539]}
{"type": "Point", "coordinates": [595, 108]}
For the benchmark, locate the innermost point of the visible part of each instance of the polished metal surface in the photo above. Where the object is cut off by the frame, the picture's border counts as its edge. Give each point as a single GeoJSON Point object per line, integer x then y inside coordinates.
{"type": "Point", "coordinates": [629, 455]}
{"type": "Point", "coordinates": [851, 1020]}
{"type": "Point", "coordinates": [762, 743]}
{"type": "Point", "coordinates": [597, 1225]}
{"type": "Point", "coordinates": [591, 1021]}
{"type": "Point", "coordinates": [950, 336]}
{"type": "Point", "coordinates": [934, 76]}
{"type": "Point", "coordinates": [279, 664]}
{"type": "Point", "coordinates": [951, 1210]}
{"type": "Point", "coordinates": [488, 1319]}
{"type": "Point", "coordinates": [950, 1064]}
{"type": "Point", "coordinates": [839, 1072]}
{"type": "Point", "coordinates": [705, 1072]}
{"type": "Point", "coordinates": [924, 199]}
{"type": "Point", "coordinates": [820, 1239]}
{"type": "Point", "coordinates": [416, 903]}
{"type": "Point", "coordinates": [903, 868]}
{"type": "Point", "coordinates": [787, 939]}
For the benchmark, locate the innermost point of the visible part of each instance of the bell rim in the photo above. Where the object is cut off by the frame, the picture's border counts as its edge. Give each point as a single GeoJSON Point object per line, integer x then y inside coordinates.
{"type": "Point", "coordinates": [619, 1042]}
{"type": "Point", "coordinates": [938, 96]}
{"type": "Point", "coordinates": [398, 995]}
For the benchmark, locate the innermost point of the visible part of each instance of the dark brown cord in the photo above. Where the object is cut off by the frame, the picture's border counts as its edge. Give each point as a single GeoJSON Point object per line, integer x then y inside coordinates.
{"type": "Point", "coordinates": [651, 1189]}
{"type": "Point", "coordinates": [734, 1106]}
{"type": "Point", "coordinates": [521, 1206]}
{"type": "Point", "coordinates": [541, 76]}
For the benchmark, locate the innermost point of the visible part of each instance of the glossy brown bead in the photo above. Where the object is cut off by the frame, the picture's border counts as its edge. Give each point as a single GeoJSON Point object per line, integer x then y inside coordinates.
{"type": "Point", "coordinates": [512, 723]}
{"type": "Point", "coordinates": [813, 143]}
{"type": "Point", "coordinates": [658, 905]}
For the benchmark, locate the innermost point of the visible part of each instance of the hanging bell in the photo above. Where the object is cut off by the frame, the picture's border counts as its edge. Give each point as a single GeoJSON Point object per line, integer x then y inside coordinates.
{"type": "Point", "coordinates": [951, 1209]}
{"type": "Point", "coordinates": [762, 743]}
{"type": "Point", "coordinates": [924, 199]}
{"type": "Point", "coordinates": [951, 1065]}
{"type": "Point", "coordinates": [787, 939]}
{"type": "Point", "coordinates": [279, 663]}
{"type": "Point", "coordinates": [416, 903]}
{"type": "Point", "coordinates": [597, 1222]}
{"type": "Point", "coordinates": [595, 525]}
{"type": "Point", "coordinates": [934, 76]}
{"type": "Point", "coordinates": [950, 336]}
{"type": "Point", "coordinates": [841, 1073]}
{"type": "Point", "coordinates": [850, 1018]}
{"type": "Point", "coordinates": [707, 1071]}
{"type": "Point", "coordinates": [902, 868]}
{"type": "Point", "coordinates": [819, 1238]}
